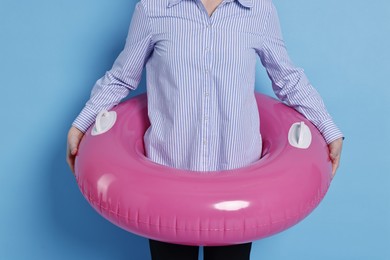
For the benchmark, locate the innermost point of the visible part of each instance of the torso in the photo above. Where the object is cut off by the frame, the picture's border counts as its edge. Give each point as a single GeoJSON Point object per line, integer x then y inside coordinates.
{"type": "Point", "coordinates": [201, 105]}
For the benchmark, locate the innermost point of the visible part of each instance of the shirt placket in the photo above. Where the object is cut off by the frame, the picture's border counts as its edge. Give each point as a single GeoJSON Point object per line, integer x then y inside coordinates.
{"type": "Point", "coordinates": [208, 43]}
{"type": "Point", "coordinates": [207, 37]}
{"type": "Point", "coordinates": [206, 122]}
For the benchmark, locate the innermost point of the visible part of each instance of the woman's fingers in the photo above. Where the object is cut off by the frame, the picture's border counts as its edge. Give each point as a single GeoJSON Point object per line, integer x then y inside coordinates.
{"type": "Point", "coordinates": [74, 138]}
{"type": "Point", "coordinates": [335, 148]}
{"type": "Point", "coordinates": [335, 163]}
{"type": "Point", "coordinates": [70, 161]}
{"type": "Point", "coordinates": [70, 158]}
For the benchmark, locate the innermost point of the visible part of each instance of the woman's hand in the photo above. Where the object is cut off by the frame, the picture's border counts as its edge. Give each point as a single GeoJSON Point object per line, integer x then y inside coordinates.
{"type": "Point", "coordinates": [335, 148]}
{"type": "Point", "coordinates": [74, 139]}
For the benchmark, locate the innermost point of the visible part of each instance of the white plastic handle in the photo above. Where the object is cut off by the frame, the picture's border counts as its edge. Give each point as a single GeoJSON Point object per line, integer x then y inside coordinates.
{"type": "Point", "coordinates": [99, 120]}
{"type": "Point", "coordinates": [104, 121]}
{"type": "Point", "coordinates": [300, 136]}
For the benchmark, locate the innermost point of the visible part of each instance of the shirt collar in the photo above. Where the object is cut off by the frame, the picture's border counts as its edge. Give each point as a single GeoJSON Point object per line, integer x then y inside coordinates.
{"type": "Point", "coordinates": [246, 3]}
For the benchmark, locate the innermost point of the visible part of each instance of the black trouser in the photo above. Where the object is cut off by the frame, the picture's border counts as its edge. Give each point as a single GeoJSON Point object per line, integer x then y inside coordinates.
{"type": "Point", "coordinates": [167, 251]}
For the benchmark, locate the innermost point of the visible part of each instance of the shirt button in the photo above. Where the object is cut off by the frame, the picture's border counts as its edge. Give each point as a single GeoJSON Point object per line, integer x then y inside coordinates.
{"type": "Point", "coordinates": [204, 141]}
{"type": "Point", "coordinates": [206, 94]}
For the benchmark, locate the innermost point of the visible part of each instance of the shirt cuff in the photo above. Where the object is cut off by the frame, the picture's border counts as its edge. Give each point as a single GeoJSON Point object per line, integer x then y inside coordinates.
{"type": "Point", "coordinates": [330, 131]}
{"type": "Point", "coordinates": [85, 119]}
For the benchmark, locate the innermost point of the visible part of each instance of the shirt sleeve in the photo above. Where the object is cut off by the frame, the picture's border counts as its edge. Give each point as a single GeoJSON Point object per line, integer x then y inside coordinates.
{"type": "Point", "coordinates": [125, 73]}
{"type": "Point", "coordinates": [290, 83]}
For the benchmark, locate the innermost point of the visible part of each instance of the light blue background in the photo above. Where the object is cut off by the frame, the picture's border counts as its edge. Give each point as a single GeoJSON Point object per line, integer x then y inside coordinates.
{"type": "Point", "coordinates": [51, 54]}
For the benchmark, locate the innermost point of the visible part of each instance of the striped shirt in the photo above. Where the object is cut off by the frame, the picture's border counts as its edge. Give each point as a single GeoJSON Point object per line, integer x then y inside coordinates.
{"type": "Point", "coordinates": [200, 79]}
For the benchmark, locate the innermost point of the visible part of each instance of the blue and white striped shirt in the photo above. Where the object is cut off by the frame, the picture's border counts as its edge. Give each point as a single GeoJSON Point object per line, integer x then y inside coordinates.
{"type": "Point", "coordinates": [200, 79]}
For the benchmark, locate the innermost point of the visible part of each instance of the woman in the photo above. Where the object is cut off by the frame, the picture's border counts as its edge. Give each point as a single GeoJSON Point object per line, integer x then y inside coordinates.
{"type": "Point", "coordinates": [200, 59]}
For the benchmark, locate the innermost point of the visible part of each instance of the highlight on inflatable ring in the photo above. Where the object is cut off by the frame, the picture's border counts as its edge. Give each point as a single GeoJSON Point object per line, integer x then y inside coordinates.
{"type": "Point", "coordinates": [203, 208]}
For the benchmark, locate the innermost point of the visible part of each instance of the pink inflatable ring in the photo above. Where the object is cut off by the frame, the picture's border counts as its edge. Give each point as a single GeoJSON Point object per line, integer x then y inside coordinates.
{"type": "Point", "coordinates": [203, 208]}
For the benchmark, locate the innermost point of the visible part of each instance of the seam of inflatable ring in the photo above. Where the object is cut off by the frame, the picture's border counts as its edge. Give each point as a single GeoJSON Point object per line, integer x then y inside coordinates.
{"type": "Point", "coordinates": [312, 202]}
{"type": "Point", "coordinates": [315, 201]}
